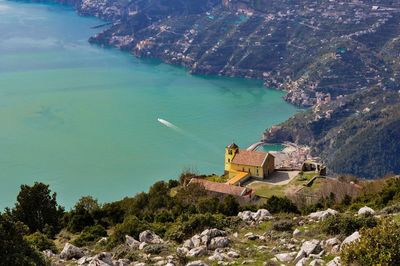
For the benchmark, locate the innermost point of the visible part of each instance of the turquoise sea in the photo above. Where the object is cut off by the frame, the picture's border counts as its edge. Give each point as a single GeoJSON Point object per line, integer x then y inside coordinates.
{"type": "Point", "coordinates": [85, 119]}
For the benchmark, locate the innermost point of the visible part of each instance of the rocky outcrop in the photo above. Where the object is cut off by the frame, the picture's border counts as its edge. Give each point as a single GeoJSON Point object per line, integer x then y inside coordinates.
{"type": "Point", "coordinates": [320, 215]}
{"type": "Point", "coordinates": [149, 237]}
{"type": "Point", "coordinates": [258, 216]}
{"type": "Point", "coordinates": [350, 239]}
{"type": "Point", "coordinates": [131, 242]}
{"type": "Point", "coordinates": [71, 252]}
{"type": "Point", "coordinates": [365, 210]}
{"type": "Point", "coordinates": [199, 244]}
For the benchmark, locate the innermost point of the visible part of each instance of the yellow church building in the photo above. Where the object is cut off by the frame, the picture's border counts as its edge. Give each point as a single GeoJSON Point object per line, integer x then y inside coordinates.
{"type": "Point", "coordinates": [240, 165]}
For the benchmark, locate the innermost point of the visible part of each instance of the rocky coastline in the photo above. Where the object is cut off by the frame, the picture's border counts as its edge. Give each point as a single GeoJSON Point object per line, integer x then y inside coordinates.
{"type": "Point", "coordinates": [278, 42]}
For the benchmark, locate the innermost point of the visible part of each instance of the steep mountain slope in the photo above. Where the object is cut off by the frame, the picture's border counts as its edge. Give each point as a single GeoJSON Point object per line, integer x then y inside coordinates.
{"type": "Point", "coordinates": [358, 134]}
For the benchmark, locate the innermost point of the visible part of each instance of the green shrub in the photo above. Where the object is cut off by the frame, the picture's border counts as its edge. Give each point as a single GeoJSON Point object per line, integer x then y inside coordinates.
{"type": "Point", "coordinates": [378, 246]}
{"type": "Point", "coordinates": [346, 224]}
{"type": "Point", "coordinates": [89, 235]}
{"type": "Point", "coordinates": [283, 225]}
{"type": "Point", "coordinates": [280, 205]}
{"type": "Point", "coordinates": [131, 226]}
{"type": "Point", "coordinates": [41, 242]}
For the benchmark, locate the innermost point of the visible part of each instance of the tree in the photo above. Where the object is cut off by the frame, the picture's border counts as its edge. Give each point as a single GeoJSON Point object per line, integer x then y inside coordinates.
{"type": "Point", "coordinates": [38, 209]}
{"type": "Point", "coordinates": [230, 206]}
{"type": "Point", "coordinates": [15, 250]}
{"type": "Point", "coordinates": [277, 204]}
{"type": "Point", "coordinates": [83, 214]}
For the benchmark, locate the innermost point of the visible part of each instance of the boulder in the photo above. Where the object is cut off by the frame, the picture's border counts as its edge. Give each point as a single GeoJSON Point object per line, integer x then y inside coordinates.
{"type": "Point", "coordinates": [296, 232]}
{"type": "Point", "coordinates": [300, 255]}
{"type": "Point", "coordinates": [334, 262]}
{"type": "Point", "coordinates": [213, 233]}
{"type": "Point", "coordinates": [105, 257]}
{"type": "Point", "coordinates": [258, 216]}
{"type": "Point", "coordinates": [197, 263]}
{"type": "Point", "coordinates": [182, 251]}
{"type": "Point", "coordinates": [71, 252]}
{"type": "Point", "coordinates": [246, 216]}
{"type": "Point", "coordinates": [150, 237]}
{"type": "Point", "coordinates": [218, 242]}
{"type": "Point", "coordinates": [188, 244]}
{"type": "Point", "coordinates": [353, 237]}
{"type": "Point", "coordinates": [101, 259]}
{"type": "Point", "coordinates": [332, 242]}
{"type": "Point", "coordinates": [365, 210]}
{"type": "Point", "coordinates": [286, 257]}
{"type": "Point", "coordinates": [322, 214]}
{"type": "Point", "coordinates": [131, 242]}
{"type": "Point", "coordinates": [261, 215]}
{"type": "Point", "coordinates": [217, 257]}
{"type": "Point", "coordinates": [196, 240]}
{"type": "Point", "coordinates": [311, 247]}
{"type": "Point", "coordinates": [196, 252]}
{"type": "Point", "coordinates": [233, 254]}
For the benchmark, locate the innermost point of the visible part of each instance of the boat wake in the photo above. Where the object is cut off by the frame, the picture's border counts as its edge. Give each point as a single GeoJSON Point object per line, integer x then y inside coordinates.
{"type": "Point", "coordinates": [188, 135]}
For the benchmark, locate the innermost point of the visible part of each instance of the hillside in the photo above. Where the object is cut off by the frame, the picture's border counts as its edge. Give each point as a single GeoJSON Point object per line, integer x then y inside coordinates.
{"type": "Point", "coordinates": [191, 227]}
{"type": "Point", "coordinates": [357, 134]}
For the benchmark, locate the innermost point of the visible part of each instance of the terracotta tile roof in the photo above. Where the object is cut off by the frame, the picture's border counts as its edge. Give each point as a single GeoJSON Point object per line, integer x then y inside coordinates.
{"type": "Point", "coordinates": [239, 176]}
{"type": "Point", "coordinates": [222, 187]}
{"type": "Point", "coordinates": [252, 158]}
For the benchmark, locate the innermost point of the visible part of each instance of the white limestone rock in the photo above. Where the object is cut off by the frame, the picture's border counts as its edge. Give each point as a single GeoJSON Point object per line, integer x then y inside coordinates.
{"type": "Point", "coordinates": [320, 215]}
{"type": "Point", "coordinates": [150, 237]}
{"type": "Point", "coordinates": [258, 216]}
{"type": "Point", "coordinates": [365, 210]}
{"type": "Point", "coordinates": [233, 254]}
{"type": "Point", "coordinates": [218, 242]}
{"type": "Point", "coordinates": [286, 257]}
{"type": "Point", "coordinates": [71, 252]}
{"type": "Point", "coordinates": [198, 251]}
{"type": "Point", "coordinates": [332, 242]}
{"type": "Point", "coordinates": [353, 237]}
{"type": "Point", "coordinates": [131, 242]}
{"type": "Point", "coordinates": [311, 247]}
